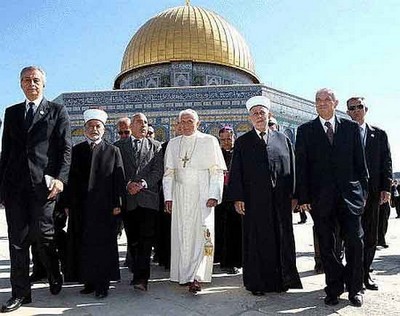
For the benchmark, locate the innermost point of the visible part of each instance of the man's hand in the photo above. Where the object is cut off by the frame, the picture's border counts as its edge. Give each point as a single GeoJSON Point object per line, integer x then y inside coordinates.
{"type": "Point", "coordinates": [239, 207]}
{"type": "Point", "coordinates": [385, 197]}
{"type": "Point", "coordinates": [305, 207]}
{"type": "Point", "coordinates": [168, 207]}
{"type": "Point", "coordinates": [211, 203]}
{"type": "Point", "coordinates": [116, 210]}
{"type": "Point", "coordinates": [134, 187]}
{"type": "Point", "coordinates": [294, 203]}
{"type": "Point", "coordinates": [56, 187]}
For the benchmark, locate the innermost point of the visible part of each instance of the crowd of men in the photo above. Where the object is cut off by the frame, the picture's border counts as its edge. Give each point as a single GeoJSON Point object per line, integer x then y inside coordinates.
{"type": "Point", "coordinates": [194, 200]}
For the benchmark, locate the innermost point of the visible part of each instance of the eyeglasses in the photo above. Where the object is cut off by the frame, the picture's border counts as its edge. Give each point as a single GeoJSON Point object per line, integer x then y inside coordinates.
{"type": "Point", "coordinates": [355, 107]}
{"type": "Point", "coordinates": [124, 132]}
{"type": "Point", "coordinates": [271, 124]}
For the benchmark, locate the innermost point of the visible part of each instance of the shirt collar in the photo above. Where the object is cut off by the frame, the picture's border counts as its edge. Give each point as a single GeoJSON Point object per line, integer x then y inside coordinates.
{"type": "Point", "coordinates": [91, 141]}
{"type": "Point", "coordinates": [331, 120]}
{"type": "Point", "coordinates": [258, 132]}
{"type": "Point", "coordinates": [363, 126]}
{"type": "Point", "coordinates": [36, 102]}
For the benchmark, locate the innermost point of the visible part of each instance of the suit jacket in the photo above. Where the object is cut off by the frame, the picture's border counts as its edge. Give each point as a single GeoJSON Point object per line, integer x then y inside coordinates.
{"type": "Point", "coordinates": [323, 169]}
{"type": "Point", "coordinates": [379, 161]}
{"type": "Point", "coordinates": [149, 167]}
{"type": "Point", "coordinates": [43, 149]}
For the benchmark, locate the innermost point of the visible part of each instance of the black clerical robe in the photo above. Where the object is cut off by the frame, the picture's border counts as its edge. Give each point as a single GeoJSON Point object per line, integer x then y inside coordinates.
{"type": "Point", "coordinates": [95, 187]}
{"type": "Point", "coordinates": [262, 176]}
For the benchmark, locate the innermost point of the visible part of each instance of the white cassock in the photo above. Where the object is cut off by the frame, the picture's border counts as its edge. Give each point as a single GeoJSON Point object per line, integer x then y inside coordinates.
{"type": "Point", "coordinates": [194, 168]}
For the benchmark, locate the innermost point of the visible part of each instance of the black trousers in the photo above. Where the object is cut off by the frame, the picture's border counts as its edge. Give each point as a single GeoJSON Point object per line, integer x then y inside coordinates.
{"type": "Point", "coordinates": [141, 224]}
{"type": "Point", "coordinates": [60, 241]}
{"type": "Point", "coordinates": [30, 220]}
{"type": "Point", "coordinates": [370, 222]}
{"type": "Point", "coordinates": [384, 214]}
{"type": "Point", "coordinates": [231, 255]}
{"type": "Point", "coordinates": [336, 274]}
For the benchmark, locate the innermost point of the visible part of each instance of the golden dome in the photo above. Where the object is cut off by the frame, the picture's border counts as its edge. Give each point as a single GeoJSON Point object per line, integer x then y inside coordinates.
{"type": "Point", "coordinates": [187, 33]}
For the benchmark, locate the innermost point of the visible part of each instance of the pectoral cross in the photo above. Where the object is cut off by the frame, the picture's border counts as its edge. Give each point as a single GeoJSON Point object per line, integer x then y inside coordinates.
{"type": "Point", "coordinates": [185, 160]}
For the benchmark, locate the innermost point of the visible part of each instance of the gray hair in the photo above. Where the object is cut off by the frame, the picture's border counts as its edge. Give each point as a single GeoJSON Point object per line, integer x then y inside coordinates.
{"type": "Point", "coordinates": [124, 120]}
{"type": "Point", "coordinates": [25, 69]}
{"type": "Point", "coordinates": [188, 112]}
{"type": "Point", "coordinates": [327, 90]}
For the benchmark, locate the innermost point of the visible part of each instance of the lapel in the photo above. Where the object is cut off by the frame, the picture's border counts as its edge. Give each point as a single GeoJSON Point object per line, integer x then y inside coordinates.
{"type": "Point", "coordinates": [143, 151]}
{"type": "Point", "coordinates": [40, 113]}
{"type": "Point", "coordinates": [20, 117]}
{"type": "Point", "coordinates": [258, 144]}
{"type": "Point", "coordinates": [320, 135]}
{"type": "Point", "coordinates": [370, 131]}
{"type": "Point", "coordinates": [128, 149]}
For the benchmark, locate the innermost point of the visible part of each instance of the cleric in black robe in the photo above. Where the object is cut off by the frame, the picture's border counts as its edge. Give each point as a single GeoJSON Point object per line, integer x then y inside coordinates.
{"type": "Point", "coordinates": [261, 184]}
{"type": "Point", "coordinates": [94, 199]}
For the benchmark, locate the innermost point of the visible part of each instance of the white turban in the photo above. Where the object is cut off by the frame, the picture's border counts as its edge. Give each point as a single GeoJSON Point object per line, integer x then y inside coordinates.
{"type": "Point", "coordinates": [95, 114]}
{"type": "Point", "coordinates": [258, 100]}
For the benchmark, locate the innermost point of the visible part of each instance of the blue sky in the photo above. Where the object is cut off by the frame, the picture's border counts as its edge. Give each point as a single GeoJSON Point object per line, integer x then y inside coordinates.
{"type": "Point", "coordinates": [298, 46]}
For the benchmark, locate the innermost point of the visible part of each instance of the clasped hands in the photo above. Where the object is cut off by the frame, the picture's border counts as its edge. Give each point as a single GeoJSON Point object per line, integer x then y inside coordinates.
{"type": "Point", "coordinates": [134, 187]}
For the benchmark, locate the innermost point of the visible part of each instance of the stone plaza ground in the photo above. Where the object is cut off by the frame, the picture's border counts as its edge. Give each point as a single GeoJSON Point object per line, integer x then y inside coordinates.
{"type": "Point", "coordinates": [225, 295]}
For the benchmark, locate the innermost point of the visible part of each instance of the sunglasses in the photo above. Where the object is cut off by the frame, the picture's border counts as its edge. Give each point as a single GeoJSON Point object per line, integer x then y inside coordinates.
{"type": "Point", "coordinates": [124, 132]}
{"type": "Point", "coordinates": [355, 107]}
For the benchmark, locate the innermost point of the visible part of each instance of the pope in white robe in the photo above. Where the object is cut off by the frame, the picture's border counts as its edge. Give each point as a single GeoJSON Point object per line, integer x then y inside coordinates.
{"type": "Point", "coordinates": [193, 175]}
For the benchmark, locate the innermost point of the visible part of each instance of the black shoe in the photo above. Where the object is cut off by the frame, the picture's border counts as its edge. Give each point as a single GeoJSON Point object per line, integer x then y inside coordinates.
{"type": "Point", "coordinates": [14, 303]}
{"type": "Point", "coordinates": [87, 289]}
{"type": "Point", "coordinates": [232, 270]}
{"type": "Point", "coordinates": [302, 222]}
{"type": "Point", "coordinates": [36, 277]}
{"type": "Point", "coordinates": [371, 285]}
{"type": "Point", "coordinates": [318, 268]}
{"type": "Point", "coordinates": [56, 285]}
{"type": "Point", "coordinates": [257, 293]}
{"type": "Point", "coordinates": [331, 300]}
{"type": "Point", "coordinates": [101, 294]}
{"type": "Point", "coordinates": [384, 245]}
{"type": "Point", "coordinates": [194, 287]}
{"type": "Point", "coordinates": [356, 300]}
{"type": "Point", "coordinates": [141, 286]}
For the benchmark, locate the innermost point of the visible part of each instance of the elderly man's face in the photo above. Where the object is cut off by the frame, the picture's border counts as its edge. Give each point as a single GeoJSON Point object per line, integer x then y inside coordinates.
{"type": "Point", "coordinates": [325, 104]}
{"type": "Point", "coordinates": [139, 126]}
{"type": "Point", "coordinates": [357, 110]}
{"type": "Point", "coordinates": [124, 131]}
{"type": "Point", "coordinates": [32, 84]}
{"type": "Point", "coordinates": [259, 117]}
{"type": "Point", "coordinates": [188, 124]}
{"type": "Point", "coordinates": [227, 139]}
{"type": "Point", "coordinates": [94, 130]}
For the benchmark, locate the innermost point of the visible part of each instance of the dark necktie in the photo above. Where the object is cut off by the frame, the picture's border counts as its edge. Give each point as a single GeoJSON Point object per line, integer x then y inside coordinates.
{"type": "Point", "coordinates": [329, 132]}
{"type": "Point", "coordinates": [136, 148]}
{"type": "Point", "coordinates": [92, 145]}
{"type": "Point", "coordinates": [262, 135]}
{"type": "Point", "coordinates": [29, 115]}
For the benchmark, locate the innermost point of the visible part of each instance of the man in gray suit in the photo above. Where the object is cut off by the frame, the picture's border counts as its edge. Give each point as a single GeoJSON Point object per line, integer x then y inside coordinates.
{"type": "Point", "coordinates": [143, 164]}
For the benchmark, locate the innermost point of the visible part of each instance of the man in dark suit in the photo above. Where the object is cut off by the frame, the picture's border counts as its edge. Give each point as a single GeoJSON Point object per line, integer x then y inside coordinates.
{"type": "Point", "coordinates": [34, 166]}
{"type": "Point", "coordinates": [332, 181]}
{"type": "Point", "coordinates": [143, 164]}
{"type": "Point", "coordinates": [379, 162]}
